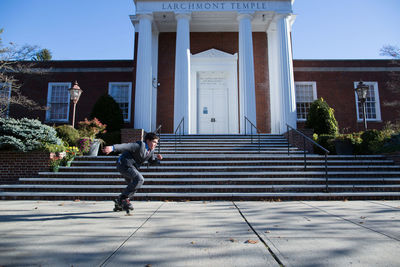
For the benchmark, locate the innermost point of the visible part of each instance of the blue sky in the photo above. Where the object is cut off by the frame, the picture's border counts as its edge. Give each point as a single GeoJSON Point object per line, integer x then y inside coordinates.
{"type": "Point", "coordinates": [101, 29]}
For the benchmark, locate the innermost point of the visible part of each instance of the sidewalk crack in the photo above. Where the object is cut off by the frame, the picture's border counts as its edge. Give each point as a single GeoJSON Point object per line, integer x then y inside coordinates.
{"type": "Point", "coordinates": [104, 263]}
{"type": "Point", "coordinates": [350, 221]}
{"type": "Point", "coordinates": [259, 237]}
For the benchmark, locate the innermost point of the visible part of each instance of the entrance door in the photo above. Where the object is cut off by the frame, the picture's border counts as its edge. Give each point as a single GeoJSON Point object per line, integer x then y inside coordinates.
{"type": "Point", "coordinates": [213, 108]}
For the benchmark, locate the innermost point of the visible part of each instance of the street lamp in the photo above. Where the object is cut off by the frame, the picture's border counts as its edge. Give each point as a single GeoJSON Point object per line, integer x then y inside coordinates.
{"type": "Point", "coordinates": [362, 92]}
{"type": "Point", "coordinates": [75, 91]}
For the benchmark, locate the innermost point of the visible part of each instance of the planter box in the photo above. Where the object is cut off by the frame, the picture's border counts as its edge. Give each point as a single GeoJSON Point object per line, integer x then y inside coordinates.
{"type": "Point", "coordinates": [344, 147]}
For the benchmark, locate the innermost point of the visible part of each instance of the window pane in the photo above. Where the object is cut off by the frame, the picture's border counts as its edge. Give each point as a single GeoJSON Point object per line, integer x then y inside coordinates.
{"type": "Point", "coordinates": [120, 93]}
{"type": "Point", "coordinates": [304, 98]}
{"type": "Point", "coordinates": [370, 105]}
{"type": "Point", "coordinates": [59, 102]}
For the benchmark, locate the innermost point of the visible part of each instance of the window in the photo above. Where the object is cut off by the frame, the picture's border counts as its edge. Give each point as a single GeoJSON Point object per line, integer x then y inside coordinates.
{"type": "Point", "coordinates": [121, 92]}
{"type": "Point", "coordinates": [372, 107]}
{"type": "Point", "coordinates": [5, 94]}
{"type": "Point", "coordinates": [58, 102]}
{"type": "Point", "coordinates": [306, 93]}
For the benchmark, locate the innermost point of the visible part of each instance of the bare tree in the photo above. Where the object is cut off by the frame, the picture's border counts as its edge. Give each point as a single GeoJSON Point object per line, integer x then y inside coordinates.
{"type": "Point", "coordinates": [393, 84]}
{"type": "Point", "coordinates": [12, 62]}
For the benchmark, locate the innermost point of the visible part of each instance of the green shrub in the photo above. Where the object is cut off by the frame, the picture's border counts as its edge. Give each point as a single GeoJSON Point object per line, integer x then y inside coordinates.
{"type": "Point", "coordinates": [372, 140]}
{"type": "Point", "coordinates": [26, 135]}
{"type": "Point", "coordinates": [326, 141]}
{"type": "Point", "coordinates": [107, 110]}
{"type": "Point", "coordinates": [68, 134]}
{"type": "Point", "coordinates": [111, 138]}
{"type": "Point", "coordinates": [391, 145]}
{"type": "Point", "coordinates": [321, 118]}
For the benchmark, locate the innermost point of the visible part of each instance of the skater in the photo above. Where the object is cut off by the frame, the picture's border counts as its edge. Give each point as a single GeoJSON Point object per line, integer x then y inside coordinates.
{"type": "Point", "coordinates": [128, 164]}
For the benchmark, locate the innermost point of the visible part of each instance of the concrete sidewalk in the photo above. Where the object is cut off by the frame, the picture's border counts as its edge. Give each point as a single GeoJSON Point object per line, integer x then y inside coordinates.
{"type": "Point", "coordinates": [301, 233]}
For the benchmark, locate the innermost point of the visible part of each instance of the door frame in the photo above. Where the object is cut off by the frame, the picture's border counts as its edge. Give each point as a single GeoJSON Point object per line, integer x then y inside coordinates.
{"type": "Point", "coordinates": [215, 60]}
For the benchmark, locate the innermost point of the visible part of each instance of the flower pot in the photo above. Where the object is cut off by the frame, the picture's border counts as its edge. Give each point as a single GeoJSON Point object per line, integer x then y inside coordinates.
{"type": "Point", "coordinates": [344, 147]}
{"type": "Point", "coordinates": [55, 168]}
{"type": "Point", "coordinates": [94, 148]}
{"type": "Point", "coordinates": [68, 163]}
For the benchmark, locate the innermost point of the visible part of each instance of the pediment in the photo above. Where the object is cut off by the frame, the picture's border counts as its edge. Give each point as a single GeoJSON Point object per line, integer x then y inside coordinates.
{"type": "Point", "coordinates": [213, 53]}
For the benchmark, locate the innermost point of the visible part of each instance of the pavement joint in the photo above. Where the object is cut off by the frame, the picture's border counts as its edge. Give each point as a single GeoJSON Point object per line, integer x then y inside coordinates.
{"type": "Point", "coordinates": [259, 237]}
{"type": "Point", "coordinates": [104, 263]}
{"type": "Point", "coordinates": [350, 221]}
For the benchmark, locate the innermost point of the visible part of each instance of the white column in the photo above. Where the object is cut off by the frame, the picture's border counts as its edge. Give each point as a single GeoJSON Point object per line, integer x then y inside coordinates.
{"type": "Point", "coordinates": [154, 80]}
{"type": "Point", "coordinates": [282, 90]}
{"type": "Point", "coordinates": [143, 91]}
{"type": "Point", "coordinates": [274, 80]}
{"type": "Point", "coordinates": [182, 71]}
{"type": "Point", "coordinates": [246, 72]}
{"type": "Point", "coordinates": [286, 71]}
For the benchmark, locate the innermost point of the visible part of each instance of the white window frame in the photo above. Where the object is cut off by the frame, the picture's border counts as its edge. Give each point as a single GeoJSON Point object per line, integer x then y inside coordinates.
{"type": "Point", "coordinates": [7, 85]}
{"type": "Point", "coordinates": [110, 84]}
{"type": "Point", "coordinates": [314, 86]}
{"type": "Point", "coordinates": [377, 102]}
{"type": "Point", "coordinates": [49, 94]}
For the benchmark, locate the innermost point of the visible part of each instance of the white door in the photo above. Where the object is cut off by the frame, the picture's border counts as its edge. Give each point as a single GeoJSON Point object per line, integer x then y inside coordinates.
{"type": "Point", "coordinates": [212, 107]}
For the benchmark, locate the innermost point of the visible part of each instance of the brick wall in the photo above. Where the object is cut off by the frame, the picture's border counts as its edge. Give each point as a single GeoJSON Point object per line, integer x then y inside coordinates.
{"type": "Point", "coordinates": [131, 135]}
{"type": "Point", "coordinates": [337, 88]}
{"type": "Point", "coordinates": [94, 82]}
{"type": "Point", "coordinates": [15, 165]}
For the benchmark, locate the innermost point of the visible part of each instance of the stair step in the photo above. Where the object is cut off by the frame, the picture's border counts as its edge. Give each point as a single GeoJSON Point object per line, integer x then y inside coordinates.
{"type": "Point", "coordinates": [221, 167]}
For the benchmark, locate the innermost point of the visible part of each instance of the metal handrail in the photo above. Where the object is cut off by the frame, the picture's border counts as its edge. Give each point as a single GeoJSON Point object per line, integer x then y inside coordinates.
{"type": "Point", "coordinates": [158, 133]}
{"type": "Point", "coordinates": [305, 157]}
{"type": "Point", "coordinates": [251, 130]}
{"type": "Point", "coordinates": [181, 128]}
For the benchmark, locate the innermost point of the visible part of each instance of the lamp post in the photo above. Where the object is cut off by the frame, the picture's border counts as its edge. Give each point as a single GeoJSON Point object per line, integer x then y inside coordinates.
{"type": "Point", "coordinates": [75, 91]}
{"type": "Point", "coordinates": [362, 92]}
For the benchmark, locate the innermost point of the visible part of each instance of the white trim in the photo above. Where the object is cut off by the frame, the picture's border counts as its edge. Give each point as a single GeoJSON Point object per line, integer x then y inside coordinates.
{"type": "Point", "coordinates": [377, 102]}
{"type": "Point", "coordinates": [215, 60]}
{"type": "Point", "coordinates": [7, 85]}
{"type": "Point", "coordinates": [49, 94]}
{"type": "Point", "coordinates": [110, 84]}
{"type": "Point", "coordinates": [314, 86]}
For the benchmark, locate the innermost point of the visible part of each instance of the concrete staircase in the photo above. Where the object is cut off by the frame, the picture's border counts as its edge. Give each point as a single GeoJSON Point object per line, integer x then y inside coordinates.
{"type": "Point", "coordinates": [221, 167]}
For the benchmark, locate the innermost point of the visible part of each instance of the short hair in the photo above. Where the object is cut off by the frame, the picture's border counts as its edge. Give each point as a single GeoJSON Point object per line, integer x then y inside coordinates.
{"type": "Point", "coordinates": [151, 136]}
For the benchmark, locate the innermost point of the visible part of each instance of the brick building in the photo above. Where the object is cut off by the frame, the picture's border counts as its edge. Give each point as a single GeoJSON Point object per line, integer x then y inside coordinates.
{"type": "Point", "coordinates": [213, 63]}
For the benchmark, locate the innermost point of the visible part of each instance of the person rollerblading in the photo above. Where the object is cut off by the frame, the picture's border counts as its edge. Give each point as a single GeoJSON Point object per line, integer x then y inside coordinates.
{"type": "Point", "coordinates": [128, 164]}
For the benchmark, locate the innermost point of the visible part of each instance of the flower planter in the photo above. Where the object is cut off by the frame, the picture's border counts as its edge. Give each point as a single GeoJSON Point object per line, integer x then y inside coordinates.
{"type": "Point", "coordinates": [55, 168]}
{"type": "Point", "coordinates": [94, 148]}
{"type": "Point", "coordinates": [68, 163]}
{"type": "Point", "coordinates": [344, 147]}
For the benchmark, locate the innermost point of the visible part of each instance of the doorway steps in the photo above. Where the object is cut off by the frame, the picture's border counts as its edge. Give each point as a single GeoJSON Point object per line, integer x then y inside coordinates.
{"type": "Point", "coordinates": [221, 167]}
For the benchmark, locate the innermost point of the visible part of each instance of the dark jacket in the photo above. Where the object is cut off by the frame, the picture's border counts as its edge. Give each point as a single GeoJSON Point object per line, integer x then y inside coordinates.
{"type": "Point", "coordinates": [134, 154]}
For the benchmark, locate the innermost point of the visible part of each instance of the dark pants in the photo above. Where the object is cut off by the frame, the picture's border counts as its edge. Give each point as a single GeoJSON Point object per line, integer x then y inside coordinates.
{"type": "Point", "coordinates": [133, 178]}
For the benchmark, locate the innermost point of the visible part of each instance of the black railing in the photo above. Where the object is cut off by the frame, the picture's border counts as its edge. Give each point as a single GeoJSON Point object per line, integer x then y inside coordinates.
{"type": "Point", "coordinates": [306, 138]}
{"type": "Point", "coordinates": [158, 133]}
{"type": "Point", "coordinates": [246, 120]}
{"type": "Point", "coordinates": [181, 128]}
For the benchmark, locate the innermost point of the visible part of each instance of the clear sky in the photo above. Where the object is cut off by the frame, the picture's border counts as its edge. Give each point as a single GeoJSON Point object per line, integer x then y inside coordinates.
{"type": "Point", "coordinates": [101, 29]}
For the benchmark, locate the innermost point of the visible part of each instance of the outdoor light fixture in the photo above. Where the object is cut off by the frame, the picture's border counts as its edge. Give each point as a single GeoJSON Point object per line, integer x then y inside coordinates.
{"type": "Point", "coordinates": [362, 92]}
{"type": "Point", "coordinates": [75, 91]}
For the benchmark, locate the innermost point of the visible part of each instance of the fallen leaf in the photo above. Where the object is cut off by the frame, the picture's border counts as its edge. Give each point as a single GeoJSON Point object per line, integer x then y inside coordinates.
{"type": "Point", "coordinates": [192, 243]}
{"type": "Point", "coordinates": [268, 231]}
{"type": "Point", "coordinates": [36, 208]}
{"type": "Point", "coordinates": [77, 200]}
{"type": "Point", "coordinates": [148, 265]}
{"type": "Point", "coordinates": [363, 217]}
{"type": "Point", "coordinates": [361, 222]}
{"type": "Point", "coordinates": [251, 241]}
{"type": "Point", "coordinates": [233, 240]}
{"type": "Point", "coordinates": [62, 204]}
